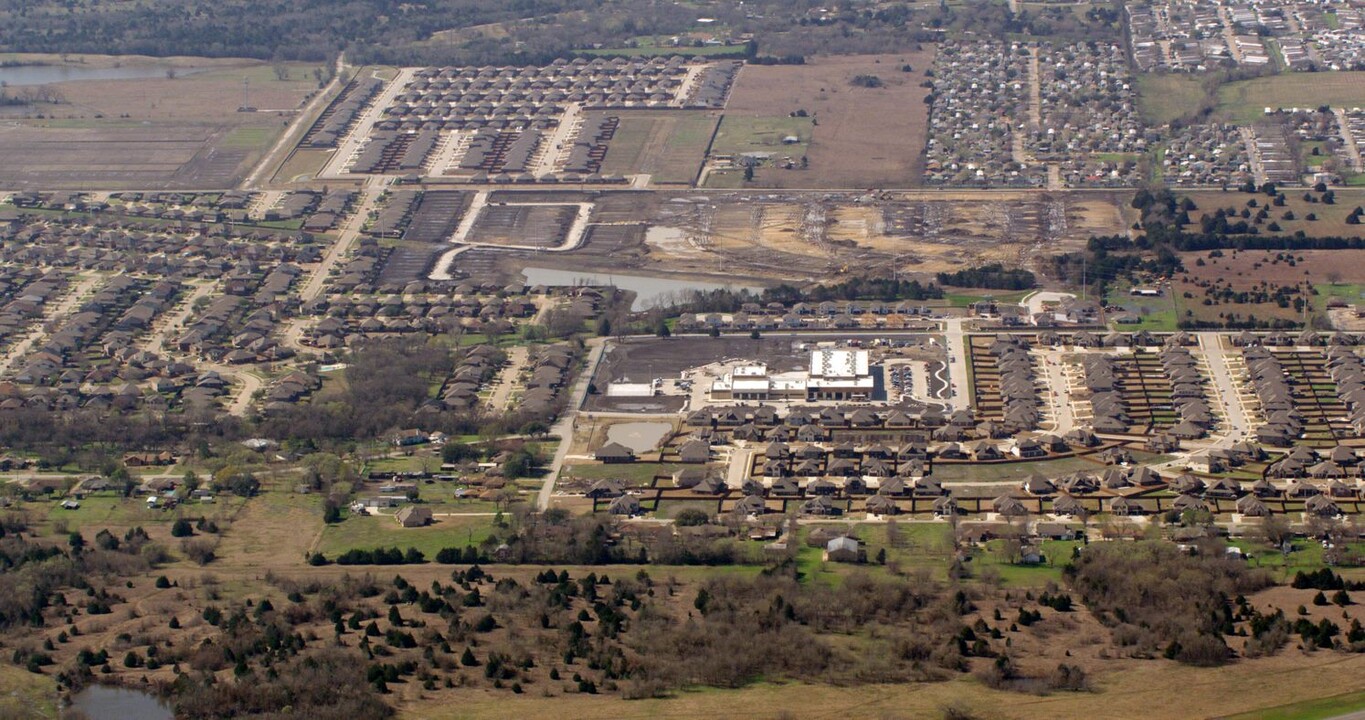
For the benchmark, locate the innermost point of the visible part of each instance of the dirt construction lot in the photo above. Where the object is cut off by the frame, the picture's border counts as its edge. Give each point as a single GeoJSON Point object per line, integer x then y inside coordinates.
{"type": "Point", "coordinates": [862, 137]}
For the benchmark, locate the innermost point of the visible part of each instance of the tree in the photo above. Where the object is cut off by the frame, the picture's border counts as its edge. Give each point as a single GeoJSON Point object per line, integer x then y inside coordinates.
{"type": "Point", "coordinates": [661, 329]}
{"type": "Point", "coordinates": [181, 528]}
{"type": "Point", "coordinates": [748, 173]}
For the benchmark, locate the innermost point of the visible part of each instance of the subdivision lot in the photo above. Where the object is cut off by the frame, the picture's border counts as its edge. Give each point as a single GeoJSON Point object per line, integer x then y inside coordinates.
{"type": "Point", "coordinates": [860, 136]}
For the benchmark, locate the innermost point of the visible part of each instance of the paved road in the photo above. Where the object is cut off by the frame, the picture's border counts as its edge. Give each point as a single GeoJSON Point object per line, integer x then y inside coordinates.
{"type": "Point", "coordinates": [291, 136]}
{"type": "Point", "coordinates": [738, 469]}
{"type": "Point", "coordinates": [54, 312]}
{"type": "Point", "coordinates": [1225, 391]}
{"type": "Point", "coordinates": [1059, 393]}
{"type": "Point", "coordinates": [564, 427]}
{"type": "Point", "coordinates": [361, 131]}
{"type": "Point", "coordinates": [156, 342]}
{"type": "Point", "coordinates": [1348, 140]}
{"type": "Point", "coordinates": [956, 343]}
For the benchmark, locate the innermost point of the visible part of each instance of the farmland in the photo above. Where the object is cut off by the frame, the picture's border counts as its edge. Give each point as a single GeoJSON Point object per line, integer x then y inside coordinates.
{"type": "Point", "coordinates": [859, 136]}
{"type": "Point", "coordinates": [181, 132]}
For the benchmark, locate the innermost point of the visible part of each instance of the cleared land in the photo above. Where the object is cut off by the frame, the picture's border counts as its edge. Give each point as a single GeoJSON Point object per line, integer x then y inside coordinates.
{"type": "Point", "coordinates": [861, 137]}
{"type": "Point", "coordinates": [184, 132]}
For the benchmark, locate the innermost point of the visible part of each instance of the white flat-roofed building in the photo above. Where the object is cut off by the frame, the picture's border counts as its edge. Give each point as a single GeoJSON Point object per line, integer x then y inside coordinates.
{"type": "Point", "coordinates": [839, 374]}
{"type": "Point", "coordinates": [834, 374]}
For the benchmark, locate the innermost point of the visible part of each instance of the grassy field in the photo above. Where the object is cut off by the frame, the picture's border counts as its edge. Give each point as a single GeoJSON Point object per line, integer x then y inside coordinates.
{"type": "Point", "coordinates": [652, 50]}
{"type": "Point", "coordinates": [1245, 101]}
{"type": "Point", "coordinates": [25, 695]}
{"type": "Point", "coordinates": [372, 531]}
{"type": "Point", "coordinates": [1163, 98]}
{"type": "Point", "coordinates": [1140, 689]}
{"type": "Point", "coordinates": [1320, 709]}
{"type": "Point", "coordinates": [1159, 314]}
{"type": "Point", "coordinates": [1331, 219]}
{"type": "Point", "coordinates": [669, 146]}
{"type": "Point", "coordinates": [302, 165]}
{"type": "Point", "coordinates": [638, 473]}
{"type": "Point", "coordinates": [738, 135]}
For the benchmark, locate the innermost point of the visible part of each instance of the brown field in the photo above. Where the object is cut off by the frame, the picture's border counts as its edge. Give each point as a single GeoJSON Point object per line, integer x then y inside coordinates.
{"type": "Point", "coordinates": [864, 137]}
{"type": "Point", "coordinates": [156, 132]}
{"type": "Point", "coordinates": [1244, 270]}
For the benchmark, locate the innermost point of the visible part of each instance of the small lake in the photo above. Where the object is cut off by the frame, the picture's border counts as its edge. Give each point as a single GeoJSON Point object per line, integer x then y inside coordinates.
{"type": "Point", "coordinates": [98, 702]}
{"type": "Point", "coordinates": [649, 291]}
{"type": "Point", "coordinates": [50, 74]}
{"type": "Point", "coordinates": [639, 436]}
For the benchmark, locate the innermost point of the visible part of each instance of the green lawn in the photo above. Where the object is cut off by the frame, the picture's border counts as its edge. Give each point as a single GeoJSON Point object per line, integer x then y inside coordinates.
{"type": "Point", "coordinates": [965, 299]}
{"type": "Point", "coordinates": [26, 695]}
{"type": "Point", "coordinates": [739, 135]}
{"type": "Point", "coordinates": [372, 531]}
{"type": "Point", "coordinates": [636, 473]}
{"type": "Point", "coordinates": [1319, 709]}
{"type": "Point", "coordinates": [250, 138]}
{"type": "Point", "coordinates": [1159, 314]}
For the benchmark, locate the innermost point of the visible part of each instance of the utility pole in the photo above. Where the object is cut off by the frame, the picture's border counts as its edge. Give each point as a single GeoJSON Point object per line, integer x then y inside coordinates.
{"type": "Point", "coordinates": [1084, 260]}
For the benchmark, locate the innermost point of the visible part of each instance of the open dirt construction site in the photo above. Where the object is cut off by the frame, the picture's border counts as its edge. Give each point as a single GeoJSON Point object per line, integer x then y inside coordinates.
{"type": "Point", "coordinates": [790, 236]}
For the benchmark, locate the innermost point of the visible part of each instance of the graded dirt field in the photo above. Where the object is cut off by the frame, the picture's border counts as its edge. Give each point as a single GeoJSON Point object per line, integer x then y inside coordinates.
{"type": "Point", "coordinates": [153, 133]}
{"type": "Point", "coordinates": [860, 137]}
{"type": "Point", "coordinates": [799, 237]}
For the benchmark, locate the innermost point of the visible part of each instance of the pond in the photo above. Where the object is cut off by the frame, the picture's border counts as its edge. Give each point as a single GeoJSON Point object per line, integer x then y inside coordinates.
{"type": "Point", "coordinates": [639, 436]}
{"type": "Point", "coordinates": [649, 291]}
{"type": "Point", "coordinates": [98, 702]}
{"type": "Point", "coordinates": [49, 74]}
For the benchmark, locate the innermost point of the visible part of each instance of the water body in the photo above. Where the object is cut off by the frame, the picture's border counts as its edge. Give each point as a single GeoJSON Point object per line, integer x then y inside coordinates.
{"type": "Point", "coordinates": [98, 702]}
{"type": "Point", "coordinates": [649, 291]}
{"type": "Point", "coordinates": [639, 436]}
{"type": "Point", "coordinates": [50, 74]}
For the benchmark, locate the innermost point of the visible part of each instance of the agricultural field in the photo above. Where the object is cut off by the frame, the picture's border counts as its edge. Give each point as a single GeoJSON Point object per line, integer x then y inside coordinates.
{"type": "Point", "coordinates": [859, 136]}
{"type": "Point", "coordinates": [166, 132]}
